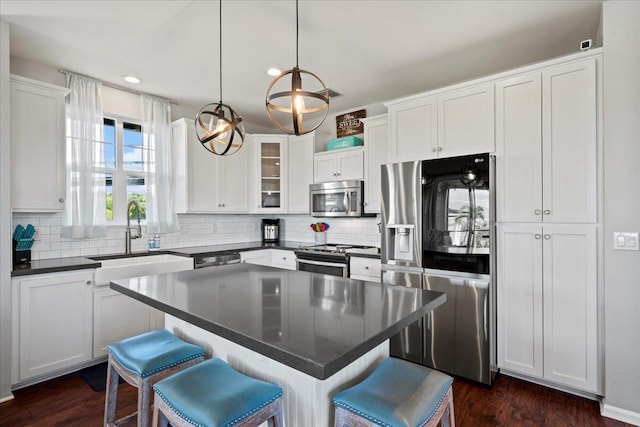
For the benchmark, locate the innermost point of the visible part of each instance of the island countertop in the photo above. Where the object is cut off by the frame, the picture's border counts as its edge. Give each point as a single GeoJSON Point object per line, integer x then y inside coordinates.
{"type": "Point", "coordinates": [314, 323]}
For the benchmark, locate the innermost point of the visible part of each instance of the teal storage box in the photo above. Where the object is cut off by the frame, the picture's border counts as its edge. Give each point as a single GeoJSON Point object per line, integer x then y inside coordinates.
{"type": "Point", "coordinates": [344, 142]}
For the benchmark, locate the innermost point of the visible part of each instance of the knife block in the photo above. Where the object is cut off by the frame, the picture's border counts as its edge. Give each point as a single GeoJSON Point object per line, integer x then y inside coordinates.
{"type": "Point", "coordinates": [21, 257]}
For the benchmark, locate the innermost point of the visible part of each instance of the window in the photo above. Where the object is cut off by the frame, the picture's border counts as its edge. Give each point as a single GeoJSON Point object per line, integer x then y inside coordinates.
{"type": "Point", "coordinates": [124, 168]}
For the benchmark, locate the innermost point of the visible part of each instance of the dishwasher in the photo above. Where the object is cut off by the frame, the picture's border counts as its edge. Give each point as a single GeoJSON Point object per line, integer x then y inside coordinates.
{"type": "Point", "coordinates": [216, 259]}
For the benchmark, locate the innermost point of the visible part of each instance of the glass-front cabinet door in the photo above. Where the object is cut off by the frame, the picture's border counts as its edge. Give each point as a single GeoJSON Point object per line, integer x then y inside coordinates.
{"type": "Point", "coordinates": [271, 179]}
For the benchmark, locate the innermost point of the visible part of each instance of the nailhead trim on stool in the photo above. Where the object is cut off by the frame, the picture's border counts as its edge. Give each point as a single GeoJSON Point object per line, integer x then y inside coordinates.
{"type": "Point", "coordinates": [397, 394]}
{"type": "Point", "coordinates": [142, 361]}
{"type": "Point", "coordinates": [213, 394]}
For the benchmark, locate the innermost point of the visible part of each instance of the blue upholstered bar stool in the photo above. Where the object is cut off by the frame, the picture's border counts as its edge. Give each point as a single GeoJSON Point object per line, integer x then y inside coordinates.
{"type": "Point", "coordinates": [397, 394]}
{"type": "Point", "coordinates": [213, 394]}
{"type": "Point", "coordinates": [142, 361]}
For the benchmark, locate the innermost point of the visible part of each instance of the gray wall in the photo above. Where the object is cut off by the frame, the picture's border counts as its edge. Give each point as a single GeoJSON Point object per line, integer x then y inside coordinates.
{"type": "Point", "coordinates": [5, 217]}
{"type": "Point", "coordinates": [621, 39]}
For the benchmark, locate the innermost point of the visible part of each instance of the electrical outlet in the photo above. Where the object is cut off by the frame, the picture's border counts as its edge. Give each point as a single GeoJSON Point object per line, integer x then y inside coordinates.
{"type": "Point", "coordinates": [625, 241]}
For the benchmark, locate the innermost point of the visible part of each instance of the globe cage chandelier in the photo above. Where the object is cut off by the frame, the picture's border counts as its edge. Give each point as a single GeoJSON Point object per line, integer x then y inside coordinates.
{"type": "Point", "coordinates": [218, 127]}
{"type": "Point", "coordinates": [297, 102]}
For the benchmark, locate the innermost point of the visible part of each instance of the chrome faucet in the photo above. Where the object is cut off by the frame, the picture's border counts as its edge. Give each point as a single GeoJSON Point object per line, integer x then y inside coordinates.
{"type": "Point", "coordinates": [127, 234]}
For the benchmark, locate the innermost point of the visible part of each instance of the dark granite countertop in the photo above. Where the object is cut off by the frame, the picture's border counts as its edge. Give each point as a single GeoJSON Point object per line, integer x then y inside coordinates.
{"type": "Point", "coordinates": [314, 323]}
{"type": "Point", "coordinates": [57, 265]}
{"type": "Point", "coordinates": [54, 265]}
{"type": "Point", "coordinates": [245, 246]}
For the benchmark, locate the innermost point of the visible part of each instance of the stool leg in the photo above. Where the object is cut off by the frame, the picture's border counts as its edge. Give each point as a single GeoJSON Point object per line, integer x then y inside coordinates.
{"type": "Point", "coordinates": [145, 397]}
{"type": "Point", "coordinates": [111, 396]}
{"type": "Point", "coordinates": [278, 418]}
{"type": "Point", "coordinates": [452, 418]}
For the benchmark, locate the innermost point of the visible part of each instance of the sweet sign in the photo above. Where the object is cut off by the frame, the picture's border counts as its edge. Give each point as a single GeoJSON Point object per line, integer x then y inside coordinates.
{"type": "Point", "coordinates": [350, 124]}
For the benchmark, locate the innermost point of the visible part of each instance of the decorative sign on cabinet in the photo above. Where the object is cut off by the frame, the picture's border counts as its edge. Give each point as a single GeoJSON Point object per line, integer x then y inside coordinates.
{"type": "Point", "coordinates": [37, 146]}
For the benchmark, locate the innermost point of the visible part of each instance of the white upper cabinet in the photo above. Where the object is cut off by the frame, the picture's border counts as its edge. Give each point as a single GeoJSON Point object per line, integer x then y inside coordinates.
{"type": "Point", "coordinates": [339, 165]}
{"type": "Point", "coordinates": [37, 146]}
{"type": "Point", "coordinates": [376, 153]}
{"type": "Point", "coordinates": [519, 149]}
{"type": "Point", "coordinates": [451, 123]}
{"type": "Point", "coordinates": [233, 181]}
{"type": "Point", "coordinates": [569, 143]}
{"type": "Point", "coordinates": [465, 122]}
{"type": "Point", "coordinates": [546, 143]}
{"type": "Point", "coordinates": [413, 127]}
{"type": "Point", "coordinates": [300, 172]}
{"type": "Point", "coordinates": [270, 156]}
{"type": "Point", "coordinates": [204, 182]}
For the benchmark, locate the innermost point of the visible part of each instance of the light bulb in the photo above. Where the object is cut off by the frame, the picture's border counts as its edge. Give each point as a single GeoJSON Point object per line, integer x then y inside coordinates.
{"type": "Point", "coordinates": [298, 101]}
{"type": "Point", "coordinates": [222, 126]}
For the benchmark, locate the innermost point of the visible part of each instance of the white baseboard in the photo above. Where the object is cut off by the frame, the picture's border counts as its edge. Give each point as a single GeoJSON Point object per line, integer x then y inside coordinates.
{"type": "Point", "coordinates": [619, 414]}
{"type": "Point", "coordinates": [7, 398]}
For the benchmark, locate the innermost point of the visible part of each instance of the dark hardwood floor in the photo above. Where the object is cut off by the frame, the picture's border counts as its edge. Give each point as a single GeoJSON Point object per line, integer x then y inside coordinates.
{"type": "Point", "coordinates": [69, 401]}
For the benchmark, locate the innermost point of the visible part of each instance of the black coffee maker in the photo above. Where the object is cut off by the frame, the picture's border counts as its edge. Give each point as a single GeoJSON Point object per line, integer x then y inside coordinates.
{"type": "Point", "coordinates": [270, 230]}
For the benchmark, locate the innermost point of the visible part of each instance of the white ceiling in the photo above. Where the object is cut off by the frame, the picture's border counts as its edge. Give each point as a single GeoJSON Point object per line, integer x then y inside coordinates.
{"type": "Point", "coordinates": [369, 51]}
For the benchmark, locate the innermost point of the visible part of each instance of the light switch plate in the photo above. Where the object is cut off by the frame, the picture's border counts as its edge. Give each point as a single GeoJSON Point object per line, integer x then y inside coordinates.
{"type": "Point", "coordinates": [625, 241]}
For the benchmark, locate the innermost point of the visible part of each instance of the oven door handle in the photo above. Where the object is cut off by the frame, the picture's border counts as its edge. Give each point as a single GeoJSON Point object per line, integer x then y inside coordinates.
{"type": "Point", "coordinates": [322, 263]}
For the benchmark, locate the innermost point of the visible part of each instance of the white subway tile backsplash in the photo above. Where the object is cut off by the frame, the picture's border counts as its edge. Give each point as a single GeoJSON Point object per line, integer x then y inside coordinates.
{"type": "Point", "coordinates": [195, 230]}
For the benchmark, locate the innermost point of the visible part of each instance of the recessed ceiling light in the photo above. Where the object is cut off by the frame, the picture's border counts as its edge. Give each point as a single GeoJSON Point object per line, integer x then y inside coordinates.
{"type": "Point", "coordinates": [132, 79]}
{"type": "Point", "coordinates": [274, 71]}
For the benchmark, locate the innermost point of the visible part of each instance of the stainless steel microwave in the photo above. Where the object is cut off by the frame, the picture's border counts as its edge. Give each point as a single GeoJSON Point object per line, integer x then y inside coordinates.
{"type": "Point", "coordinates": [337, 199]}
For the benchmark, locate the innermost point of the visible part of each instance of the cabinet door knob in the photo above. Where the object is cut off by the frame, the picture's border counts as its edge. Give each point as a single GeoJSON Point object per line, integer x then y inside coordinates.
{"type": "Point", "coordinates": [433, 150]}
{"type": "Point", "coordinates": [439, 148]}
{"type": "Point", "coordinates": [537, 236]}
{"type": "Point", "coordinates": [61, 200]}
{"type": "Point", "coordinates": [547, 212]}
{"type": "Point", "coordinates": [88, 282]}
{"type": "Point", "coordinates": [366, 267]}
{"type": "Point", "coordinates": [547, 236]}
{"type": "Point", "coordinates": [537, 211]}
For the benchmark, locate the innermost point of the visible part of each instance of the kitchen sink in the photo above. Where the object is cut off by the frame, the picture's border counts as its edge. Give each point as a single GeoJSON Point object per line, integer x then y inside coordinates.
{"type": "Point", "coordinates": [133, 266]}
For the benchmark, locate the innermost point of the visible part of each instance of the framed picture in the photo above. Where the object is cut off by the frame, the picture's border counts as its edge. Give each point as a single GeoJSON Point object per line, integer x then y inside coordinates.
{"type": "Point", "coordinates": [349, 123]}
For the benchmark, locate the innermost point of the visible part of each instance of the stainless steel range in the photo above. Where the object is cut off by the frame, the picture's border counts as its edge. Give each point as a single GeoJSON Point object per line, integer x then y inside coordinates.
{"type": "Point", "coordinates": [329, 259]}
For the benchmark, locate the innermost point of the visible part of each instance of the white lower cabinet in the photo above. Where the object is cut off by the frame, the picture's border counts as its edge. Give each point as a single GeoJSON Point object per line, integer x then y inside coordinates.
{"type": "Point", "coordinates": [52, 321]}
{"type": "Point", "coordinates": [283, 259]}
{"type": "Point", "coordinates": [116, 316]}
{"type": "Point", "coordinates": [547, 303]}
{"type": "Point", "coordinates": [279, 258]}
{"type": "Point", "coordinates": [368, 269]}
{"type": "Point", "coordinates": [258, 257]}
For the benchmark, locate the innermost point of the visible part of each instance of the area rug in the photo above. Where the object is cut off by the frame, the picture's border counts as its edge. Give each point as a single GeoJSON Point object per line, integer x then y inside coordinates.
{"type": "Point", "coordinates": [96, 376]}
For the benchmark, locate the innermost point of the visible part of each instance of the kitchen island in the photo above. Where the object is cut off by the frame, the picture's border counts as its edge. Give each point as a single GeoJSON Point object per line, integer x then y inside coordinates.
{"type": "Point", "coordinates": [313, 334]}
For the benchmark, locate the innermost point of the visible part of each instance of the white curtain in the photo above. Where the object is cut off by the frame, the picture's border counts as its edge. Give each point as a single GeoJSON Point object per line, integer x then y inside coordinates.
{"type": "Point", "coordinates": [85, 203]}
{"type": "Point", "coordinates": [156, 134]}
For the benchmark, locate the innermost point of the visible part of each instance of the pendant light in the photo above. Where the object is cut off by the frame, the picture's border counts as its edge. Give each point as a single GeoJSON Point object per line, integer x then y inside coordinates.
{"type": "Point", "coordinates": [297, 104]}
{"type": "Point", "coordinates": [218, 127]}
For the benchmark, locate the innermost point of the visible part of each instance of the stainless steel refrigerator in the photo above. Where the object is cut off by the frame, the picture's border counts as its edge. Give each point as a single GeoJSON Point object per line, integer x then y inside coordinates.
{"type": "Point", "coordinates": [438, 234]}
